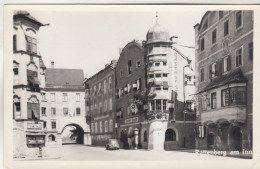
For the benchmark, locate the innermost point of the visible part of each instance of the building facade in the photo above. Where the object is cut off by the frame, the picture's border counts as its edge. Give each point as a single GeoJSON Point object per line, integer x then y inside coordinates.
{"type": "Point", "coordinates": [224, 73]}
{"type": "Point", "coordinates": [29, 80]}
{"type": "Point", "coordinates": [153, 81]}
{"type": "Point", "coordinates": [100, 104]}
{"type": "Point", "coordinates": [63, 105]}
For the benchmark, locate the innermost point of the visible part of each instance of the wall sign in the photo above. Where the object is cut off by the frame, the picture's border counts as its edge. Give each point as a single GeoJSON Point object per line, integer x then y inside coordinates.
{"type": "Point", "coordinates": [34, 126]}
{"type": "Point", "coordinates": [131, 120]}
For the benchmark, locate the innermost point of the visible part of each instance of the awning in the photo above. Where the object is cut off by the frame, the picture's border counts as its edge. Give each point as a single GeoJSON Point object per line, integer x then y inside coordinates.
{"type": "Point", "coordinates": [233, 77]}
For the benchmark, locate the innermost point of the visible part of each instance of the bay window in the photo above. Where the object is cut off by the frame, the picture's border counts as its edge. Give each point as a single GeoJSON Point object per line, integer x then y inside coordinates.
{"type": "Point", "coordinates": [233, 96]}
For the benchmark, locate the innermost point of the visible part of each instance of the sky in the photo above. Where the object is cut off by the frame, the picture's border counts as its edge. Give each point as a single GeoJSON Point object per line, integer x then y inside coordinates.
{"type": "Point", "coordinates": [89, 40]}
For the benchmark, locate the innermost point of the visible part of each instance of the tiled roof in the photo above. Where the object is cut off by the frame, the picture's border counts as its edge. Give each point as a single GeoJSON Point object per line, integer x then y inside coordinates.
{"type": "Point", "coordinates": [26, 15]}
{"type": "Point", "coordinates": [233, 77]}
{"type": "Point", "coordinates": [64, 78]}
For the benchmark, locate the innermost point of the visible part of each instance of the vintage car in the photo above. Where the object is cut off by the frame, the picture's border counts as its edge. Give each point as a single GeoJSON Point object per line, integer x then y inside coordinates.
{"type": "Point", "coordinates": [112, 145]}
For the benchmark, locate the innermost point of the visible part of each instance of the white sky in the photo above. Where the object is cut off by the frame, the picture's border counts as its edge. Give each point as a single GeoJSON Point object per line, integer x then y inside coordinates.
{"type": "Point", "coordinates": [89, 40]}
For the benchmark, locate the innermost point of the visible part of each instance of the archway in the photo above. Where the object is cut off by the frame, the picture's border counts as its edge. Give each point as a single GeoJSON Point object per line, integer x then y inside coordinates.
{"type": "Point", "coordinates": [236, 137]}
{"type": "Point", "coordinates": [170, 135]}
{"type": "Point", "coordinates": [51, 138]}
{"type": "Point", "coordinates": [72, 134]}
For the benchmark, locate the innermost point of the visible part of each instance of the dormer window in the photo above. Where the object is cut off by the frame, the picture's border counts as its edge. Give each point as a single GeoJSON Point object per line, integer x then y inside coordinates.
{"type": "Point", "coordinates": [31, 45]}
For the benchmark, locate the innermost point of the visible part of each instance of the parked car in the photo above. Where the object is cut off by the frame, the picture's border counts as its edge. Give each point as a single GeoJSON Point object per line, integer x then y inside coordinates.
{"type": "Point", "coordinates": [112, 145]}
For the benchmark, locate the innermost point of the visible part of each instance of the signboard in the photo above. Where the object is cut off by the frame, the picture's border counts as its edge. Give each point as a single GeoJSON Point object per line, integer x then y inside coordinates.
{"type": "Point", "coordinates": [34, 126]}
{"type": "Point", "coordinates": [132, 120]}
{"type": "Point", "coordinates": [35, 139]}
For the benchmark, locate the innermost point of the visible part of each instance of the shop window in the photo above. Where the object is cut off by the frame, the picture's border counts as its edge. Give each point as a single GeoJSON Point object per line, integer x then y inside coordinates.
{"type": "Point", "coordinates": [238, 19]}
{"type": "Point", "coordinates": [31, 45]}
{"type": "Point", "coordinates": [145, 136]}
{"type": "Point", "coordinates": [226, 28]}
{"type": "Point", "coordinates": [170, 135]}
{"type": "Point", "coordinates": [214, 36]}
{"type": "Point", "coordinates": [213, 100]}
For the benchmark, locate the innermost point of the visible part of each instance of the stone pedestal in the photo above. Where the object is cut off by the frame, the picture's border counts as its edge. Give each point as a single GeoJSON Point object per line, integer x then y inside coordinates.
{"type": "Point", "coordinates": [157, 134]}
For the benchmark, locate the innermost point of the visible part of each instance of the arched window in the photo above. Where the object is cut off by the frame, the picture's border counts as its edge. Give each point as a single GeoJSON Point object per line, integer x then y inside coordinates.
{"type": "Point", "coordinates": [170, 135]}
{"type": "Point", "coordinates": [51, 138]}
{"type": "Point", "coordinates": [145, 136]}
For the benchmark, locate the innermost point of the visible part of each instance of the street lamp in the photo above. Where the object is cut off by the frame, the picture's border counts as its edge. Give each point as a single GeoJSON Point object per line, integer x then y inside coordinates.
{"type": "Point", "coordinates": [136, 136]}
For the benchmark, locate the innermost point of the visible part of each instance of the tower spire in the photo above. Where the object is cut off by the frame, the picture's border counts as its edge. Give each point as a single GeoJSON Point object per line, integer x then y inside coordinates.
{"type": "Point", "coordinates": [156, 17]}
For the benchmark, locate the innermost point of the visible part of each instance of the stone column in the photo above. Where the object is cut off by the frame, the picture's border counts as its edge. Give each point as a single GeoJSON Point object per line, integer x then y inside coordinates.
{"type": "Point", "coordinates": [157, 134]}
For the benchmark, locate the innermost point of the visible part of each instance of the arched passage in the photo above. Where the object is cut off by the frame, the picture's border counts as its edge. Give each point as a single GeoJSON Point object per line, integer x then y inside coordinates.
{"type": "Point", "coordinates": [72, 134]}
{"type": "Point", "coordinates": [236, 139]}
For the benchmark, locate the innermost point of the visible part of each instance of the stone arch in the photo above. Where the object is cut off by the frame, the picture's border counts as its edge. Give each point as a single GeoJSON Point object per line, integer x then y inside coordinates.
{"type": "Point", "coordinates": [170, 135]}
{"type": "Point", "coordinates": [51, 137]}
{"type": "Point", "coordinates": [33, 99]}
{"type": "Point", "coordinates": [79, 131]}
{"type": "Point", "coordinates": [235, 137]}
{"type": "Point", "coordinates": [175, 131]}
{"type": "Point", "coordinates": [210, 140]}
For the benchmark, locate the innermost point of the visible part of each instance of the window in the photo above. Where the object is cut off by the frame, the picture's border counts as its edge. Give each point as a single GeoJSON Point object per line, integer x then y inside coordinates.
{"type": "Point", "coordinates": [52, 97]}
{"type": "Point", "coordinates": [151, 75]}
{"type": "Point", "coordinates": [158, 88]}
{"type": "Point", "coordinates": [53, 125]}
{"type": "Point", "coordinates": [139, 84]}
{"type": "Point", "coordinates": [213, 70]}
{"type": "Point", "coordinates": [110, 104]}
{"type": "Point", "coordinates": [106, 126]}
{"type": "Point", "coordinates": [226, 28]}
{"type": "Point", "coordinates": [202, 131]}
{"type": "Point", "coordinates": [157, 64]}
{"type": "Point", "coordinates": [65, 97]}
{"type": "Point", "coordinates": [152, 105]}
{"type": "Point", "coordinates": [100, 127]}
{"type": "Point", "coordinates": [17, 106]}
{"type": "Point", "coordinates": [220, 14]}
{"type": "Point", "coordinates": [204, 102]}
{"type": "Point", "coordinates": [31, 45]}
{"type": "Point", "coordinates": [238, 19]}
{"type": "Point", "coordinates": [16, 77]}
{"type": "Point", "coordinates": [53, 111]}
{"type": "Point", "coordinates": [105, 105]}
{"type": "Point", "coordinates": [51, 137]}
{"type": "Point", "coordinates": [188, 78]}
{"type": "Point", "coordinates": [225, 64]}
{"type": "Point", "coordinates": [165, 104]}
{"type": "Point", "coordinates": [121, 74]}
{"type": "Point", "coordinates": [238, 96]}
{"type": "Point", "coordinates": [170, 135]}
{"type": "Point", "coordinates": [164, 63]}
{"type": "Point", "coordinates": [157, 75]}
{"type": "Point", "coordinates": [92, 128]}
{"type": "Point", "coordinates": [138, 64]}
{"type": "Point", "coordinates": [99, 88]}
{"type": "Point", "coordinates": [214, 36]}
{"type": "Point", "coordinates": [43, 110]}
{"type": "Point", "coordinates": [96, 127]}
{"type": "Point", "coordinates": [225, 97]}
{"type": "Point", "coordinates": [100, 107]}
{"type": "Point", "coordinates": [77, 97]}
{"type": "Point", "coordinates": [43, 96]}
{"type": "Point", "coordinates": [65, 111]}
{"type": "Point", "coordinates": [111, 125]}
{"type": "Point", "coordinates": [202, 74]}
{"type": "Point", "coordinates": [110, 83]}
{"type": "Point", "coordinates": [158, 104]}
{"type": "Point", "coordinates": [105, 86]}
{"type": "Point", "coordinates": [95, 91]}
{"type": "Point", "coordinates": [213, 100]}
{"type": "Point", "coordinates": [239, 57]}
{"type": "Point", "coordinates": [165, 75]}
{"type": "Point", "coordinates": [129, 67]}
{"type": "Point", "coordinates": [14, 43]}
{"type": "Point", "coordinates": [145, 136]}
{"type": "Point", "coordinates": [202, 43]}
{"type": "Point", "coordinates": [250, 50]}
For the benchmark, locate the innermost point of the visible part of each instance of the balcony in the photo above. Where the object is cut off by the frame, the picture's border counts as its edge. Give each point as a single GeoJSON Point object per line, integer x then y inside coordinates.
{"type": "Point", "coordinates": [226, 114]}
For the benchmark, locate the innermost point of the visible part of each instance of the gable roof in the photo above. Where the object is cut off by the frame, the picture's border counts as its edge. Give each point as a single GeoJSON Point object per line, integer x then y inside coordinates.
{"type": "Point", "coordinates": [64, 78]}
{"type": "Point", "coordinates": [26, 15]}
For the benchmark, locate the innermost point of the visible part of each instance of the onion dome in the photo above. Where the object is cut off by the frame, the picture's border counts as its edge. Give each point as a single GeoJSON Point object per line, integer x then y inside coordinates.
{"type": "Point", "coordinates": [157, 33]}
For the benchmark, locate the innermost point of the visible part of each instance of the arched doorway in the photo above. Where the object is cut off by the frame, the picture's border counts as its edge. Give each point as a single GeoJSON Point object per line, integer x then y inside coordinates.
{"type": "Point", "coordinates": [236, 137]}
{"type": "Point", "coordinates": [51, 138]}
{"type": "Point", "coordinates": [72, 134]}
{"type": "Point", "coordinates": [170, 135]}
{"type": "Point", "coordinates": [123, 139]}
{"type": "Point", "coordinates": [210, 141]}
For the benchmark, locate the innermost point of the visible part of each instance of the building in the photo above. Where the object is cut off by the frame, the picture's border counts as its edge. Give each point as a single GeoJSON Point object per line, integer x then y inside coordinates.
{"type": "Point", "coordinates": [63, 105]}
{"type": "Point", "coordinates": [29, 81]}
{"type": "Point", "coordinates": [153, 81]}
{"type": "Point", "coordinates": [224, 73]}
{"type": "Point", "coordinates": [100, 104]}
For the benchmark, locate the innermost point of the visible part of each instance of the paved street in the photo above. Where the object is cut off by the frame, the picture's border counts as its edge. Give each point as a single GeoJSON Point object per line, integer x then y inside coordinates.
{"type": "Point", "coordinates": [80, 152]}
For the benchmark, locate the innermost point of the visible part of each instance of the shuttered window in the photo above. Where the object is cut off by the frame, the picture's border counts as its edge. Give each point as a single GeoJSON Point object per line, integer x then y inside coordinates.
{"type": "Point", "coordinates": [33, 111]}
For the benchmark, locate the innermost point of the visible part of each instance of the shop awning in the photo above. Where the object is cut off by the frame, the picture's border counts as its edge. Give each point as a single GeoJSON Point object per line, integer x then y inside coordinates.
{"type": "Point", "coordinates": [233, 77]}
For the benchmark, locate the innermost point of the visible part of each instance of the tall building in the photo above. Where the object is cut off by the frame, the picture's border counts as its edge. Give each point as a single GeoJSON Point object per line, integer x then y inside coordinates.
{"type": "Point", "coordinates": [29, 81]}
{"type": "Point", "coordinates": [153, 81]}
{"type": "Point", "coordinates": [63, 105]}
{"type": "Point", "coordinates": [101, 105]}
{"type": "Point", "coordinates": [224, 73]}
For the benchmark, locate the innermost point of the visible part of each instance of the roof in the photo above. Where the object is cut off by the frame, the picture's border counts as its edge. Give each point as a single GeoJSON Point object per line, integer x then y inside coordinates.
{"type": "Point", "coordinates": [233, 77]}
{"type": "Point", "coordinates": [64, 78]}
{"type": "Point", "coordinates": [26, 15]}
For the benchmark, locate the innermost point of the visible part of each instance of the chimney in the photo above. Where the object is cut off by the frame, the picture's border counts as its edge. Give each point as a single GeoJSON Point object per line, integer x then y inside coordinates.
{"type": "Point", "coordinates": [52, 64]}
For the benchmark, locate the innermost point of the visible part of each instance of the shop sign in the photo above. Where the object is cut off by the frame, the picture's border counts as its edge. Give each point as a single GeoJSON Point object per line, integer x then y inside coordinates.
{"type": "Point", "coordinates": [35, 140]}
{"type": "Point", "coordinates": [34, 126]}
{"type": "Point", "coordinates": [131, 120]}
